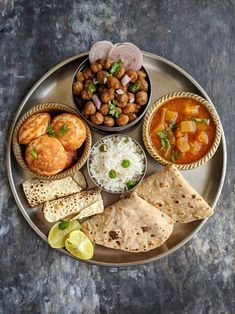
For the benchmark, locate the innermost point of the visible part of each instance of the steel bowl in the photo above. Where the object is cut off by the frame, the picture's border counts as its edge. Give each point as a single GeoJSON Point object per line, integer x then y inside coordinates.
{"type": "Point", "coordinates": [77, 100]}
{"type": "Point", "coordinates": [99, 143]}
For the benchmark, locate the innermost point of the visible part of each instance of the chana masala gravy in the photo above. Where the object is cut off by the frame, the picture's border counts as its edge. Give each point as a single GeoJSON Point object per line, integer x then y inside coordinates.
{"type": "Point", "coordinates": [182, 130]}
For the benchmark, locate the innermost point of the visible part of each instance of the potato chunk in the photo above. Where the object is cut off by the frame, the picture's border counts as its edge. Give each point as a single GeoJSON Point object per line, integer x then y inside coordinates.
{"type": "Point", "coordinates": [163, 115]}
{"type": "Point", "coordinates": [195, 147]}
{"type": "Point", "coordinates": [171, 116]}
{"type": "Point", "coordinates": [182, 144]}
{"type": "Point", "coordinates": [159, 127]}
{"type": "Point", "coordinates": [187, 126]}
{"type": "Point", "coordinates": [191, 109]}
{"type": "Point", "coordinates": [203, 137]}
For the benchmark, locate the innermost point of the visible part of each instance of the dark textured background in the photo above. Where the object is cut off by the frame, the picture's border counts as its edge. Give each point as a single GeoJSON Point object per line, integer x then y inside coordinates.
{"type": "Point", "coordinates": [196, 35]}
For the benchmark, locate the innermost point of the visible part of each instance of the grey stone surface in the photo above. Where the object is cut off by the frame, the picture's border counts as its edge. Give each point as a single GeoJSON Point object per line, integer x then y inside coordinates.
{"type": "Point", "coordinates": [198, 36]}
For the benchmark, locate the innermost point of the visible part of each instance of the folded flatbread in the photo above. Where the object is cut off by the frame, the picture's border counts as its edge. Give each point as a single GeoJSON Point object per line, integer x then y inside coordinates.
{"type": "Point", "coordinates": [174, 196]}
{"type": "Point", "coordinates": [131, 224]}
{"type": "Point", "coordinates": [76, 206]}
{"type": "Point", "coordinates": [38, 191]}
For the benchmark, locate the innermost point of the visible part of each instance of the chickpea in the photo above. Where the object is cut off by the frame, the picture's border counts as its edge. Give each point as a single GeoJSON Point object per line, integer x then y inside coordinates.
{"type": "Point", "coordinates": [104, 109]}
{"type": "Point", "coordinates": [122, 100]}
{"type": "Point", "coordinates": [143, 84]}
{"type": "Point", "coordinates": [85, 95]}
{"type": "Point", "coordinates": [89, 108]}
{"type": "Point", "coordinates": [101, 75]}
{"type": "Point", "coordinates": [80, 77]}
{"type": "Point", "coordinates": [129, 108]}
{"type": "Point", "coordinates": [100, 89]}
{"type": "Point", "coordinates": [118, 110]}
{"type": "Point", "coordinates": [124, 88]}
{"type": "Point", "coordinates": [102, 62]}
{"type": "Point", "coordinates": [132, 116]}
{"type": "Point", "coordinates": [113, 82]}
{"type": "Point", "coordinates": [97, 118]}
{"type": "Point", "coordinates": [137, 108]}
{"type": "Point", "coordinates": [133, 75]}
{"type": "Point", "coordinates": [119, 75]}
{"type": "Point", "coordinates": [96, 66]}
{"type": "Point", "coordinates": [77, 88]}
{"type": "Point", "coordinates": [141, 74]}
{"type": "Point", "coordinates": [108, 63]}
{"type": "Point", "coordinates": [87, 73]}
{"type": "Point", "coordinates": [131, 97]}
{"type": "Point", "coordinates": [106, 95]}
{"type": "Point", "coordinates": [122, 119]}
{"type": "Point", "coordinates": [109, 121]}
{"type": "Point", "coordinates": [87, 83]}
{"type": "Point", "coordinates": [141, 98]}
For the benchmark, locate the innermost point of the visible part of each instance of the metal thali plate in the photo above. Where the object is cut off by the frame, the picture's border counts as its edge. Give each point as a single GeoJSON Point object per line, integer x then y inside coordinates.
{"type": "Point", "coordinates": [166, 77]}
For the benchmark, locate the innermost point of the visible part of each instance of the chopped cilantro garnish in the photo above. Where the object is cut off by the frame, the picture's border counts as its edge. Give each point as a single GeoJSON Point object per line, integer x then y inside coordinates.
{"type": "Point", "coordinates": [34, 153]}
{"type": "Point", "coordinates": [50, 130]}
{"type": "Point", "coordinates": [63, 129]}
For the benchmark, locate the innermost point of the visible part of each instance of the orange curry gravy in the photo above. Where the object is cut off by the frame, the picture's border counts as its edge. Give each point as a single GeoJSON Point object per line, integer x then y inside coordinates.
{"type": "Point", "coordinates": [182, 130]}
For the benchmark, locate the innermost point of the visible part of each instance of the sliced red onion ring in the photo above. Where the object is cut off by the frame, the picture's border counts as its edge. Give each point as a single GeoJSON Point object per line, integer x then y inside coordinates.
{"type": "Point", "coordinates": [100, 50]}
{"type": "Point", "coordinates": [125, 80]}
{"type": "Point", "coordinates": [129, 53]}
{"type": "Point", "coordinates": [96, 100]}
{"type": "Point", "coordinates": [105, 80]}
{"type": "Point", "coordinates": [120, 91]}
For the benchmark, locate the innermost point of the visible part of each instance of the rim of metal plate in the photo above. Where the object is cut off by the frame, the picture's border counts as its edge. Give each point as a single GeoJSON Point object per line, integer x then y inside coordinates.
{"type": "Point", "coordinates": [10, 175]}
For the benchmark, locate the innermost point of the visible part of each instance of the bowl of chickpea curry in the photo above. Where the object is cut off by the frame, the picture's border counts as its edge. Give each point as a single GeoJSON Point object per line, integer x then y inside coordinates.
{"type": "Point", "coordinates": [110, 96]}
{"type": "Point", "coordinates": [182, 128]}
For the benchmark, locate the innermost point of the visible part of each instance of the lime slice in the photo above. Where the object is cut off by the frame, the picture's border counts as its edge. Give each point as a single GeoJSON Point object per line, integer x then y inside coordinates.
{"type": "Point", "coordinates": [59, 232]}
{"type": "Point", "coordinates": [79, 245]}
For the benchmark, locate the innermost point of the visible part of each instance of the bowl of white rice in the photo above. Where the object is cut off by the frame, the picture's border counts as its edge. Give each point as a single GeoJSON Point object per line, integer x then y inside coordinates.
{"type": "Point", "coordinates": [117, 163]}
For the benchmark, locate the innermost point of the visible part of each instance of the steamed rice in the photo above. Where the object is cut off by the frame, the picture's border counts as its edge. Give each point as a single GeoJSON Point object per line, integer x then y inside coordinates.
{"type": "Point", "coordinates": [119, 148]}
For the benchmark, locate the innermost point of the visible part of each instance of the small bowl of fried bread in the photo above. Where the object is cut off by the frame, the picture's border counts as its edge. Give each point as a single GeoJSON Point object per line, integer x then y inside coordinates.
{"type": "Point", "coordinates": [51, 141]}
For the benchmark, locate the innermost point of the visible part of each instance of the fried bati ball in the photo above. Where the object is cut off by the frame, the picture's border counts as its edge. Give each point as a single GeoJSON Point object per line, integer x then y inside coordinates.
{"type": "Point", "coordinates": [46, 156]}
{"type": "Point", "coordinates": [70, 130]}
{"type": "Point", "coordinates": [71, 158]}
{"type": "Point", "coordinates": [34, 127]}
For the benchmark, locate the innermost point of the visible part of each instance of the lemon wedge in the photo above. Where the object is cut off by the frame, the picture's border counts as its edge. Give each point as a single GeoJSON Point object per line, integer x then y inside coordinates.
{"type": "Point", "coordinates": [79, 245]}
{"type": "Point", "coordinates": [59, 232]}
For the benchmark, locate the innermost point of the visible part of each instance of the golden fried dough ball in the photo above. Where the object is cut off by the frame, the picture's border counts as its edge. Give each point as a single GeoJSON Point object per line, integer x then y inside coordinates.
{"type": "Point", "coordinates": [70, 130]}
{"type": "Point", "coordinates": [34, 127]}
{"type": "Point", "coordinates": [46, 156]}
{"type": "Point", "coordinates": [71, 155]}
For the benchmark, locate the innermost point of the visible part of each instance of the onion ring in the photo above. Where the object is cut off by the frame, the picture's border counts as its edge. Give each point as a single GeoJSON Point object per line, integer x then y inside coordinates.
{"type": "Point", "coordinates": [129, 53]}
{"type": "Point", "coordinates": [100, 50]}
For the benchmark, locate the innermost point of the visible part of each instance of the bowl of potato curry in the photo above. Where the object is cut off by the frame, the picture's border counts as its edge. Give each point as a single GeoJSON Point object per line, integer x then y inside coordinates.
{"type": "Point", "coordinates": [182, 128]}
